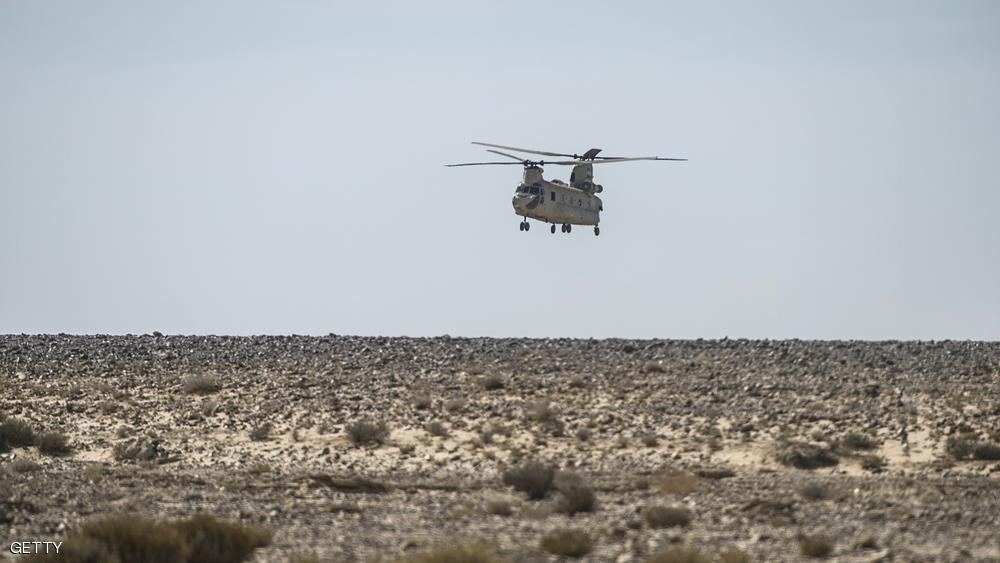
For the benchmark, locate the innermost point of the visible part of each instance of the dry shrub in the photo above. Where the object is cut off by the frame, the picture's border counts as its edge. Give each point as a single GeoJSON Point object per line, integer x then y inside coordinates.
{"type": "Point", "coordinates": [533, 478]}
{"type": "Point", "coordinates": [123, 537]}
{"type": "Point", "coordinates": [499, 506]}
{"type": "Point", "coordinates": [492, 382]}
{"type": "Point", "coordinates": [23, 465]}
{"type": "Point", "coordinates": [436, 428]}
{"type": "Point", "coordinates": [454, 405]}
{"type": "Point", "coordinates": [650, 440]}
{"type": "Point", "coordinates": [53, 443]}
{"type": "Point", "coordinates": [873, 463]}
{"type": "Point", "coordinates": [986, 451]}
{"type": "Point", "coordinates": [366, 431]}
{"type": "Point", "coordinates": [567, 542]}
{"type": "Point", "coordinates": [815, 546]}
{"type": "Point", "coordinates": [261, 433]}
{"type": "Point", "coordinates": [659, 516]}
{"type": "Point", "coordinates": [806, 456]}
{"type": "Point", "coordinates": [857, 441]}
{"type": "Point", "coordinates": [470, 552]}
{"type": "Point", "coordinates": [815, 491]}
{"type": "Point", "coordinates": [540, 411]}
{"type": "Point", "coordinates": [583, 434]}
{"type": "Point", "coordinates": [17, 433]}
{"type": "Point", "coordinates": [715, 473]}
{"type": "Point", "coordinates": [679, 554]}
{"type": "Point", "coordinates": [653, 367]}
{"type": "Point", "coordinates": [673, 481]}
{"type": "Point", "coordinates": [733, 555]}
{"type": "Point", "coordinates": [574, 497]}
{"type": "Point", "coordinates": [422, 399]}
{"type": "Point", "coordinates": [201, 384]}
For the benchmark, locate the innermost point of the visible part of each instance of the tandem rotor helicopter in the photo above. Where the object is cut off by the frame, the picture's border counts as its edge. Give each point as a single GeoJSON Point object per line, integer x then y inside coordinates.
{"type": "Point", "coordinates": [555, 201]}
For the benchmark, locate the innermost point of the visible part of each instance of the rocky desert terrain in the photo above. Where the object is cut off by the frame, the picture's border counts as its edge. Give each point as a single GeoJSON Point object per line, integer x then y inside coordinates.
{"type": "Point", "coordinates": [363, 448]}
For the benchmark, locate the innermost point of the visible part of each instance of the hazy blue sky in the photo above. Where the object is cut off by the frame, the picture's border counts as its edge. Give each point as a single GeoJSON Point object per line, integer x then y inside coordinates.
{"type": "Point", "coordinates": [277, 167]}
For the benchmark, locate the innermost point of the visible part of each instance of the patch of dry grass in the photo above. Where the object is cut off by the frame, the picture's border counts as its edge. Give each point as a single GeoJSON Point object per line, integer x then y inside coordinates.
{"type": "Point", "coordinates": [660, 516]}
{"type": "Point", "coordinates": [532, 478]}
{"type": "Point", "coordinates": [125, 537]}
{"type": "Point", "coordinates": [492, 382]}
{"type": "Point", "coordinates": [53, 444]}
{"type": "Point", "coordinates": [17, 433]}
{"type": "Point", "coordinates": [817, 547]}
{"type": "Point", "coordinates": [367, 432]}
{"type": "Point", "coordinates": [567, 542]}
{"type": "Point", "coordinates": [804, 455]}
{"type": "Point", "coordinates": [470, 552]}
{"type": "Point", "coordinates": [679, 554]}
{"type": "Point", "coordinates": [201, 384]}
{"type": "Point", "coordinates": [672, 481]}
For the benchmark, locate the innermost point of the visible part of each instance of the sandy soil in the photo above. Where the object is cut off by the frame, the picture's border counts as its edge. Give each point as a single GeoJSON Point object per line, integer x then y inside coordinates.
{"type": "Point", "coordinates": [627, 417]}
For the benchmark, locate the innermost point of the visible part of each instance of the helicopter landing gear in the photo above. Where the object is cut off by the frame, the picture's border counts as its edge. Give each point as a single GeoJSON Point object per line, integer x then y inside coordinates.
{"type": "Point", "coordinates": [567, 228]}
{"type": "Point", "coordinates": [597, 231]}
{"type": "Point", "coordinates": [525, 225]}
{"type": "Point", "coordinates": [552, 229]}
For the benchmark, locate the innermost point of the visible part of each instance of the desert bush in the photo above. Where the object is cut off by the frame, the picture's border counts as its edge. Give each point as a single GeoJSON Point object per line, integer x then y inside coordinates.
{"type": "Point", "coordinates": [815, 546]}
{"type": "Point", "coordinates": [659, 516]}
{"type": "Point", "coordinates": [578, 382]}
{"type": "Point", "coordinates": [986, 451]}
{"type": "Point", "coordinates": [574, 498]}
{"type": "Point", "coordinates": [17, 433]}
{"type": "Point", "coordinates": [583, 434]}
{"type": "Point", "coordinates": [261, 433]}
{"type": "Point", "coordinates": [873, 463]}
{"type": "Point", "coordinates": [436, 428]}
{"type": "Point", "coordinates": [806, 456]}
{"type": "Point", "coordinates": [201, 384]}
{"type": "Point", "coordinates": [733, 555]}
{"type": "Point", "coordinates": [533, 478]}
{"type": "Point", "coordinates": [679, 554]}
{"type": "Point", "coordinates": [454, 405]}
{"type": "Point", "coordinates": [23, 465]}
{"type": "Point", "coordinates": [212, 540]}
{"type": "Point", "coordinates": [671, 481]}
{"type": "Point", "coordinates": [209, 407]}
{"type": "Point", "coordinates": [540, 411]}
{"type": "Point", "coordinates": [857, 441]}
{"type": "Point", "coordinates": [422, 400]}
{"type": "Point", "coordinates": [567, 542]}
{"type": "Point", "coordinates": [52, 443]}
{"type": "Point", "coordinates": [499, 506]}
{"type": "Point", "coordinates": [492, 382]}
{"type": "Point", "coordinates": [366, 431]}
{"type": "Point", "coordinates": [649, 439]}
{"type": "Point", "coordinates": [815, 491]}
{"type": "Point", "coordinates": [124, 537]}
{"type": "Point", "coordinates": [654, 367]}
{"type": "Point", "coordinates": [471, 552]}
{"type": "Point", "coordinates": [960, 447]}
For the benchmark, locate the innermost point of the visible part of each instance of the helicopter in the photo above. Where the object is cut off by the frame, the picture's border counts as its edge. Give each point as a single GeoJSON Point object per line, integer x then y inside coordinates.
{"type": "Point", "coordinates": [555, 201]}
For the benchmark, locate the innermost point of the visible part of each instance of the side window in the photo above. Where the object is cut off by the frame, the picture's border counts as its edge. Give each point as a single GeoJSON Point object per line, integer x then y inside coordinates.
{"type": "Point", "coordinates": [553, 194]}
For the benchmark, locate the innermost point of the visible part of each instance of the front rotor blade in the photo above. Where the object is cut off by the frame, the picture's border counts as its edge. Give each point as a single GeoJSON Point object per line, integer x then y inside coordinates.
{"type": "Point", "coordinates": [505, 154]}
{"type": "Point", "coordinates": [524, 150]}
{"type": "Point", "coordinates": [620, 158]}
{"type": "Point", "coordinates": [480, 163]}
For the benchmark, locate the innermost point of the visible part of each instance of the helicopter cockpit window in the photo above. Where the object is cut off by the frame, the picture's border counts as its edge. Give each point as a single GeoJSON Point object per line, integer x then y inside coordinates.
{"type": "Point", "coordinates": [535, 189]}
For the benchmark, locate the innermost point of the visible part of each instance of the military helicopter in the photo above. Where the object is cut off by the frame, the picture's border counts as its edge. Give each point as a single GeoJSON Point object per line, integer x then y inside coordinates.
{"type": "Point", "coordinates": [555, 201]}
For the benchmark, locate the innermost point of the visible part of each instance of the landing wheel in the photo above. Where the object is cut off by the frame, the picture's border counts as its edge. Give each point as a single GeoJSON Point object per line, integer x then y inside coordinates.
{"type": "Point", "coordinates": [527, 226]}
{"type": "Point", "coordinates": [569, 228]}
{"type": "Point", "coordinates": [520, 226]}
{"type": "Point", "coordinates": [597, 231]}
{"type": "Point", "coordinates": [562, 227]}
{"type": "Point", "coordinates": [553, 229]}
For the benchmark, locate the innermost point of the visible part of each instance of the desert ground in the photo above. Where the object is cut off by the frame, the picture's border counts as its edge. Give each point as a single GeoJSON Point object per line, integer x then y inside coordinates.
{"type": "Point", "coordinates": [364, 448]}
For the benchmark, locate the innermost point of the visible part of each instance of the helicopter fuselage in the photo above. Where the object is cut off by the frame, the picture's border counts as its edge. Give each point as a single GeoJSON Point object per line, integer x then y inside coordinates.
{"type": "Point", "coordinates": [554, 201]}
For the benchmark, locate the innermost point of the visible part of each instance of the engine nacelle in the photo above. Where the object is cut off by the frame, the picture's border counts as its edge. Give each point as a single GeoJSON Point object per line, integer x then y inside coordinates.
{"type": "Point", "coordinates": [598, 188]}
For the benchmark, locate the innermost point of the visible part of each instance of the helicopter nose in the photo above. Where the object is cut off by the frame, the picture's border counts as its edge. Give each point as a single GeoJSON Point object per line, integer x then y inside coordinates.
{"type": "Point", "coordinates": [520, 201]}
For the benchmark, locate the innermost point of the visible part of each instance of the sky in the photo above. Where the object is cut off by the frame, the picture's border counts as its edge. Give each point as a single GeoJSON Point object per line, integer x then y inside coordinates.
{"type": "Point", "coordinates": [248, 167]}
